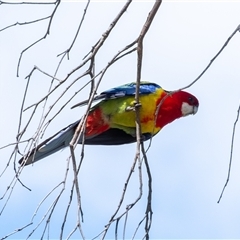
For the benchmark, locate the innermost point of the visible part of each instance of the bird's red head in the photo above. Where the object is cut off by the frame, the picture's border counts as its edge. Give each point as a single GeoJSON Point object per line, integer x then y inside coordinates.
{"type": "Point", "coordinates": [175, 105]}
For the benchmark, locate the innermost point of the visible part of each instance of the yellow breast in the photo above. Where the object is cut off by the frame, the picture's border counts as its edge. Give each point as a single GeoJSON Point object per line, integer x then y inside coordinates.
{"type": "Point", "coordinates": [119, 114]}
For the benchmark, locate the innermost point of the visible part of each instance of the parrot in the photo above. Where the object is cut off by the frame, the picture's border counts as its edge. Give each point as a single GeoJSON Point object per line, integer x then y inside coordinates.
{"type": "Point", "coordinates": [112, 121]}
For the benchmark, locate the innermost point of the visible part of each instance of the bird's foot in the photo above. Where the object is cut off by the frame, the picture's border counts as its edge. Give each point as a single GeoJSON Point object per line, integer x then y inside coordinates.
{"type": "Point", "coordinates": [134, 106]}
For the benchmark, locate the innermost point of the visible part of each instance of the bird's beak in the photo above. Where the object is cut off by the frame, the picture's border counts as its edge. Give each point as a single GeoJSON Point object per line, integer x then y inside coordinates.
{"type": "Point", "coordinates": [195, 109]}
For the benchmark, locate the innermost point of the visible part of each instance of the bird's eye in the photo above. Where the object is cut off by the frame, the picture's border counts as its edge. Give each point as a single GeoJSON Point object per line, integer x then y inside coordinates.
{"type": "Point", "coordinates": [191, 100]}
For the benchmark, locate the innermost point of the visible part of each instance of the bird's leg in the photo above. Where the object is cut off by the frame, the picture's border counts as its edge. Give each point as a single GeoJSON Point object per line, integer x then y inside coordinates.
{"type": "Point", "coordinates": [133, 107]}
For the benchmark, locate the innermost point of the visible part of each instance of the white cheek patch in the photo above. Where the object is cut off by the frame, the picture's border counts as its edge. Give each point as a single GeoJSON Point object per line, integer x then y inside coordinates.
{"type": "Point", "coordinates": [188, 109]}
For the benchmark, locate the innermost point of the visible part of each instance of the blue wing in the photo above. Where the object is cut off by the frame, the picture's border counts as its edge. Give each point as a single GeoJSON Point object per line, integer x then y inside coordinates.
{"type": "Point", "coordinates": [123, 91]}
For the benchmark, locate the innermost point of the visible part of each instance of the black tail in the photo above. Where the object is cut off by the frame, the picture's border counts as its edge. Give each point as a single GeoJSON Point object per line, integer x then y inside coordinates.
{"type": "Point", "coordinates": [51, 145]}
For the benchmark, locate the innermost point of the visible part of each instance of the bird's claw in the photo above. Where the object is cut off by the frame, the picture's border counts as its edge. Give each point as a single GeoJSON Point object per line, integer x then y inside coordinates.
{"type": "Point", "coordinates": [134, 107]}
{"type": "Point", "coordinates": [137, 105]}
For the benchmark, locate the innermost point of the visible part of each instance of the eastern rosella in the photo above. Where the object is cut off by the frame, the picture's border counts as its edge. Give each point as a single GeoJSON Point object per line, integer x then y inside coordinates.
{"type": "Point", "coordinates": [112, 120]}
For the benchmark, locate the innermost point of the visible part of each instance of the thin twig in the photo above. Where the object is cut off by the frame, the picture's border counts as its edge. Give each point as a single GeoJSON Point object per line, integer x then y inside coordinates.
{"type": "Point", "coordinates": [138, 121]}
{"type": "Point", "coordinates": [231, 154]}
{"type": "Point", "coordinates": [78, 30]}
{"type": "Point", "coordinates": [57, 3]}
{"type": "Point", "coordinates": [49, 210]}
{"type": "Point", "coordinates": [28, 3]}
{"type": "Point", "coordinates": [15, 231]}
{"type": "Point", "coordinates": [139, 224]}
{"type": "Point", "coordinates": [112, 219]}
{"type": "Point", "coordinates": [213, 59]}
{"type": "Point", "coordinates": [149, 211]}
{"type": "Point", "coordinates": [24, 23]}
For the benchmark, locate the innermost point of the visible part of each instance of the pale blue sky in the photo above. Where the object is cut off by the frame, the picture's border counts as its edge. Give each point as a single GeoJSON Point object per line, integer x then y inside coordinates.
{"type": "Point", "coordinates": [188, 159]}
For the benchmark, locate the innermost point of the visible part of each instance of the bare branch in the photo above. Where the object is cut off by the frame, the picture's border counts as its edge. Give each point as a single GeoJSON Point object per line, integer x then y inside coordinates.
{"type": "Point", "coordinates": [112, 219]}
{"type": "Point", "coordinates": [76, 184]}
{"type": "Point", "coordinates": [138, 121]}
{"type": "Point", "coordinates": [149, 211]}
{"type": "Point", "coordinates": [231, 154]}
{"type": "Point", "coordinates": [15, 231]}
{"type": "Point", "coordinates": [39, 40]}
{"type": "Point", "coordinates": [24, 23]}
{"type": "Point", "coordinates": [66, 52]}
{"type": "Point", "coordinates": [30, 3]}
{"type": "Point", "coordinates": [213, 59]}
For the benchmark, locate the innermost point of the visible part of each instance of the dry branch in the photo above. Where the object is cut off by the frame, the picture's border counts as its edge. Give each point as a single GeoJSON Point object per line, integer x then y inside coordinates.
{"type": "Point", "coordinates": [231, 155]}
{"type": "Point", "coordinates": [213, 59]}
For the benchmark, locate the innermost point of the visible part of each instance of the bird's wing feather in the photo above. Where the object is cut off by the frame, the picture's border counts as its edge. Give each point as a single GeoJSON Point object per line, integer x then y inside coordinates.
{"type": "Point", "coordinates": [123, 91]}
{"type": "Point", "coordinates": [114, 136]}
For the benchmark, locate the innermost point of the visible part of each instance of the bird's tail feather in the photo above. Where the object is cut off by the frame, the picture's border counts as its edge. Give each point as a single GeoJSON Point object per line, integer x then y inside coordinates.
{"type": "Point", "coordinates": [51, 145]}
